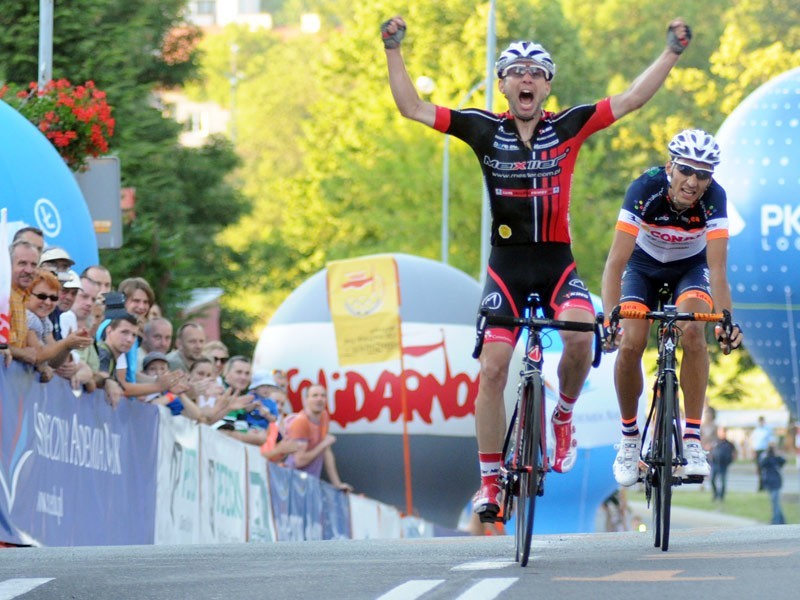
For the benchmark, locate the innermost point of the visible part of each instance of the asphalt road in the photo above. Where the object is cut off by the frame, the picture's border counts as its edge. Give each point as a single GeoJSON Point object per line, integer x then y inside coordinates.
{"type": "Point", "coordinates": [735, 562]}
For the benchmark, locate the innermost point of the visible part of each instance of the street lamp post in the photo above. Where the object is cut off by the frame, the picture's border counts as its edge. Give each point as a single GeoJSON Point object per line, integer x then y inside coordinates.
{"type": "Point", "coordinates": [45, 42]}
{"type": "Point", "coordinates": [446, 179]}
{"type": "Point", "coordinates": [491, 42]}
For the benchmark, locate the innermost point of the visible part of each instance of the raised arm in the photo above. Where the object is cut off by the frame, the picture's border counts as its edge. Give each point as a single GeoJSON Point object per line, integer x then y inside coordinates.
{"type": "Point", "coordinates": [652, 78]}
{"type": "Point", "coordinates": [404, 93]}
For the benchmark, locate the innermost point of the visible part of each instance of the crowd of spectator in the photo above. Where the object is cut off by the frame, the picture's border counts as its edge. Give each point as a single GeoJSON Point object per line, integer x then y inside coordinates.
{"type": "Point", "coordinates": [116, 340]}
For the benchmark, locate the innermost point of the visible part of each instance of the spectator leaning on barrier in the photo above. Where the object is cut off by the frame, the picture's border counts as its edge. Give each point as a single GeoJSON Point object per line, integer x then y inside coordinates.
{"type": "Point", "coordinates": [155, 365]}
{"type": "Point", "coordinates": [115, 310]}
{"type": "Point", "coordinates": [218, 353]}
{"type": "Point", "coordinates": [83, 307]}
{"type": "Point", "coordinates": [39, 303]}
{"type": "Point", "coordinates": [24, 261]}
{"type": "Point", "coordinates": [189, 344]}
{"type": "Point", "coordinates": [70, 287]}
{"type": "Point", "coordinates": [101, 277]}
{"type": "Point", "coordinates": [33, 235]}
{"type": "Point", "coordinates": [237, 373]}
{"type": "Point", "coordinates": [309, 427]}
{"type": "Point", "coordinates": [156, 337]}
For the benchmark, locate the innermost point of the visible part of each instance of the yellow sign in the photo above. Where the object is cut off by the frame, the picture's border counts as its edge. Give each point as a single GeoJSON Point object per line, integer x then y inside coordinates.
{"type": "Point", "coordinates": [364, 300]}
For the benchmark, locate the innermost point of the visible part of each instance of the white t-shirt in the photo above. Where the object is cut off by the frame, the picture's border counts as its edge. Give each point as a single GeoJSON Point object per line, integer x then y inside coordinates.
{"type": "Point", "coordinates": [68, 323]}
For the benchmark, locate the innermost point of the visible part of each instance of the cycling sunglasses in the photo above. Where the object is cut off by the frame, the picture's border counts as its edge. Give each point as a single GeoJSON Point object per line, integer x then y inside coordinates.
{"type": "Point", "coordinates": [518, 71]}
{"type": "Point", "coordinates": [686, 170]}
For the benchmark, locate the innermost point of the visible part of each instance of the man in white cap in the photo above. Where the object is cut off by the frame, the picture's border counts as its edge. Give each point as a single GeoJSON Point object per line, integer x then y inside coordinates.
{"type": "Point", "coordinates": [56, 259]}
{"type": "Point", "coordinates": [63, 320]}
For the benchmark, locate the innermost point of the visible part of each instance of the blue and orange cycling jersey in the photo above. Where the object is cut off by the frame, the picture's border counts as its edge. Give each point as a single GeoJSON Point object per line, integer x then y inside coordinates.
{"type": "Point", "coordinates": [661, 232]}
{"type": "Point", "coordinates": [530, 184]}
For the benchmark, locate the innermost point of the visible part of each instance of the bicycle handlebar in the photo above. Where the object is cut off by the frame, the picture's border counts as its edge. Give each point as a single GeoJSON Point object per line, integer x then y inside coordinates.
{"type": "Point", "coordinates": [536, 323]}
{"type": "Point", "coordinates": [660, 315]}
{"type": "Point", "coordinates": [671, 316]}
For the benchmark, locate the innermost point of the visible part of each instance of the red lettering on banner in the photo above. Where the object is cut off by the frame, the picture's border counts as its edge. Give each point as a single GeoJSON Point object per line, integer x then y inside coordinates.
{"type": "Point", "coordinates": [358, 400]}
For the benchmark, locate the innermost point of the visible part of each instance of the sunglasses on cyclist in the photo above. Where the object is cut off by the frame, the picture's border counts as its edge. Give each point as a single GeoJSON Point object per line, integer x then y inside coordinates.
{"type": "Point", "coordinates": [46, 297]}
{"type": "Point", "coordinates": [686, 170]}
{"type": "Point", "coordinates": [518, 71]}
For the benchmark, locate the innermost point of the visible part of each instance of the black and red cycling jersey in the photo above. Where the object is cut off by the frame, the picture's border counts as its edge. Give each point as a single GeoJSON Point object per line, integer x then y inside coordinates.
{"type": "Point", "coordinates": [529, 187]}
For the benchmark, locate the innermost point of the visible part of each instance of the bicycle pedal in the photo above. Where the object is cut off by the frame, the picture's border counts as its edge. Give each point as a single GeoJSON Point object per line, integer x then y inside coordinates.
{"type": "Point", "coordinates": [490, 517]}
{"type": "Point", "coordinates": [692, 479]}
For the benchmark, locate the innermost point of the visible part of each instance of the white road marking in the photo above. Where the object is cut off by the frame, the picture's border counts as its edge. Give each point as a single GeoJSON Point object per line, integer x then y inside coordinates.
{"type": "Point", "coordinates": [483, 565]}
{"type": "Point", "coordinates": [410, 589]}
{"type": "Point", "coordinates": [486, 589]}
{"type": "Point", "coordinates": [12, 588]}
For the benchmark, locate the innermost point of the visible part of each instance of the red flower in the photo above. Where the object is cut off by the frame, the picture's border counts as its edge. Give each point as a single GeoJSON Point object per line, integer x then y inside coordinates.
{"type": "Point", "coordinates": [76, 119]}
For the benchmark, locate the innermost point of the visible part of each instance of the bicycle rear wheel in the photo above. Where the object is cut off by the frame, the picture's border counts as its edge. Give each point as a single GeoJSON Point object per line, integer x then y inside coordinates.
{"type": "Point", "coordinates": [531, 426]}
{"type": "Point", "coordinates": [665, 440]}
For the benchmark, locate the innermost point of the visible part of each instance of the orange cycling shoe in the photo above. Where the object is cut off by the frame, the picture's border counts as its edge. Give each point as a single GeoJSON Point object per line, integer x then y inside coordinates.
{"type": "Point", "coordinates": [566, 445]}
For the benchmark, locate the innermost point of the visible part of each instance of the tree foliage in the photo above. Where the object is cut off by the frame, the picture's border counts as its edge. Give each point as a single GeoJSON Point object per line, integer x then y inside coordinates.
{"type": "Point", "coordinates": [184, 195]}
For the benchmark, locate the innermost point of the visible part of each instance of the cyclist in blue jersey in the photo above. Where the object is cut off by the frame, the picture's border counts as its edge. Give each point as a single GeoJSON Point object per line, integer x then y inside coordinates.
{"type": "Point", "coordinates": [672, 229]}
{"type": "Point", "coordinates": [528, 155]}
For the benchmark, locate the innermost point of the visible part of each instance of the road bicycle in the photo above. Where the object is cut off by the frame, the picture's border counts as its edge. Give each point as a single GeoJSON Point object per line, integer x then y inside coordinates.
{"type": "Point", "coordinates": [661, 464]}
{"type": "Point", "coordinates": [526, 461]}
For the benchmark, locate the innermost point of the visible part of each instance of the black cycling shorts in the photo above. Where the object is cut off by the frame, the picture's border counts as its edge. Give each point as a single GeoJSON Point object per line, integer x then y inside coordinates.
{"type": "Point", "coordinates": [514, 272]}
{"type": "Point", "coordinates": [644, 276]}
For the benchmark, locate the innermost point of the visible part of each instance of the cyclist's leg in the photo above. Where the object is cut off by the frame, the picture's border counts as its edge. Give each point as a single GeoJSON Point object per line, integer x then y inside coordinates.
{"type": "Point", "coordinates": [570, 301]}
{"type": "Point", "coordinates": [693, 295]}
{"type": "Point", "coordinates": [490, 417]}
{"type": "Point", "coordinates": [637, 291]}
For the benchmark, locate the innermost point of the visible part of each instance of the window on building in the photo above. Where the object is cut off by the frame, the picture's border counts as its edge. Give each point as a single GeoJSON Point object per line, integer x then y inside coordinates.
{"type": "Point", "coordinates": [249, 7]}
{"type": "Point", "coordinates": [204, 7]}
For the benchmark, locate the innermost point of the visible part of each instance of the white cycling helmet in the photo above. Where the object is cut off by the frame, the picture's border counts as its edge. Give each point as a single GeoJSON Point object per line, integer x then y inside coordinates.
{"type": "Point", "coordinates": [695, 144]}
{"type": "Point", "coordinates": [527, 51]}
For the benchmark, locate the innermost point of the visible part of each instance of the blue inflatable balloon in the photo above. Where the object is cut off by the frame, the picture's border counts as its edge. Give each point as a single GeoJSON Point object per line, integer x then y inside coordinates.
{"type": "Point", "coordinates": [760, 170]}
{"type": "Point", "coordinates": [40, 190]}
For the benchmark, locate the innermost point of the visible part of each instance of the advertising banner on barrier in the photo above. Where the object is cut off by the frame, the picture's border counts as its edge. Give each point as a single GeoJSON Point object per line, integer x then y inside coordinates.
{"type": "Point", "coordinates": [223, 476]}
{"type": "Point", "coordinates": [296, 504]}
{"type": "Point", "coordinates": [74, 472]}
{"type": "Point", "coordinates": [178, 481]}
{"type": "Point", "coordinates": [260, 524]}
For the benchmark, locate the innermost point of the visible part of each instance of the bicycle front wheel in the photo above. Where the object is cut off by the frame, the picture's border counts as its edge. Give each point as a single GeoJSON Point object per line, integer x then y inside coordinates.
{"type": "Point", "coordinates": [666, 439]}
{"type": "Point", "coordinates": [531, 462]}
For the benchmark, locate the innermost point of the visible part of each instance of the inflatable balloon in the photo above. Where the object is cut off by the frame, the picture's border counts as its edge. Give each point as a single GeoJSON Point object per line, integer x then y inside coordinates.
{"type": "Point", "coordinates": [39, 190]}
{"type": "Point", "coordinates": [438, 311]}
{"type": "Point", "coordinates": [760, 170]}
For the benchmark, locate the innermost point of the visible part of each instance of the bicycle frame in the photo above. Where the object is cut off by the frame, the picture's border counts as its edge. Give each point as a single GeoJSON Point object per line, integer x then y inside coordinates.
{"type": "Point", "coordinates": [664, 455]}
{"type": "Point", "coordinates": [525, 459]}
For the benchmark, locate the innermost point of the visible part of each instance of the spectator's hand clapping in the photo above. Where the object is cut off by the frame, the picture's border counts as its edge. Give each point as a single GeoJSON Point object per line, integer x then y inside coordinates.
{"type": "Point", "coordinates": [78, 340]}
{"type": "Point", "coordinates": [166, 381]}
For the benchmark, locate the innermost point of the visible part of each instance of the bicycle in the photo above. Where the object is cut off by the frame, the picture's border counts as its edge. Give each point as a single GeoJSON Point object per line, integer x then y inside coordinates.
{"type": "Point", "coordinates": [526, 462]}
{"type": "Point", "coordinates": [661, 464]}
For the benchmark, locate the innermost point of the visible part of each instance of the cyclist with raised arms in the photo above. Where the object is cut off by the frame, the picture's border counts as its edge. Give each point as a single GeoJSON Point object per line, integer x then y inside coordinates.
{"type": "Point", "coordinates": [672, 229]}
{"type": "Point", "coordinates": [528, 157]}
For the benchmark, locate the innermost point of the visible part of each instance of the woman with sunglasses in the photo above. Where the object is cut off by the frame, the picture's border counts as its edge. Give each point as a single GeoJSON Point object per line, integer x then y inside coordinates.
{"type": "Point", "coordinates": [40, 302]}
{"type": "Point", "coordinates": [672, 229]}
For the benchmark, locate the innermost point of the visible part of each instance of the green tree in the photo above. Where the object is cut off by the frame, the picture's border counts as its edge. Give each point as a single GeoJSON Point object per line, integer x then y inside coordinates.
{"type": "Point", "coordinates": [184, 196]}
